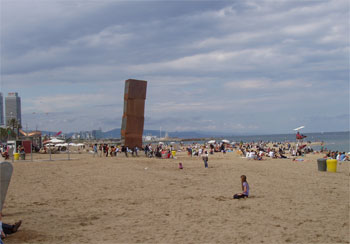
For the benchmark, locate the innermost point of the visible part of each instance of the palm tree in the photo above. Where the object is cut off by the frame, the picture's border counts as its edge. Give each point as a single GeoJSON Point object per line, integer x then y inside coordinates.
{"type": "Point", "coordinates": [4, 132]}
{"type": "Point", "coordinates": [14, 124]}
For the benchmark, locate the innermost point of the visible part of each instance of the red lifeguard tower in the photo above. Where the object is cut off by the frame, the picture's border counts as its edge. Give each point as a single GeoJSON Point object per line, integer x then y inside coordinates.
{"type": "Point", "coordinates": [299, 138]}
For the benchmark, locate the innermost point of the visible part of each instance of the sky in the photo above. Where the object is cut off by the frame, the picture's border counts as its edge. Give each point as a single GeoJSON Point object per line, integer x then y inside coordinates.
{"type": "Point", "coordinates": [257, 66]}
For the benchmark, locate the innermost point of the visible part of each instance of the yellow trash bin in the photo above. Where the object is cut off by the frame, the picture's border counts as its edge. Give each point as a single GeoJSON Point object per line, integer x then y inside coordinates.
{"type": "Point", "coordinates": [173, 153]}
{"type": "Point", "coordinates": [16, 156]}
{"type": "Point", "coordinates": [332, 165]}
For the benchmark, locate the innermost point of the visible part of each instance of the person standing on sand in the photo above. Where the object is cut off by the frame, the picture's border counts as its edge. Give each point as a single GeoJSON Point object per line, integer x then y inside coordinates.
{"type": "Point", "coordinates": [116, 151]}
{"type": "Point", "coordinates": [95, 150]}
{"type": "Point", "coordinates": [101, 150]}
{"type": "Point", "coordinates": [126, 151]}
{"type": "Point", "coordinates": [205, 158]}
{"type": "Point", "coordinates": [107, 148]}
{"type": "Point", "coordinates": [245, 188]}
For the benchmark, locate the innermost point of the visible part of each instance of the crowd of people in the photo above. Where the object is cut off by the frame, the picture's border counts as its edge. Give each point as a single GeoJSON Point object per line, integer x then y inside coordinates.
{"type": "Point", "coordinates": [340, 156]}
{"type": "Point", "coordinates": [252, 150]}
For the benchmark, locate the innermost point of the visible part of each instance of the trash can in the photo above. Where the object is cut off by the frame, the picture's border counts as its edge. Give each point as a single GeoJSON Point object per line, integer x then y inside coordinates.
{"type": "Point", "coordinates": [173, 153]}
{"type": "Point", "coordinates": [16, 156]}
{"type": "Point", "coordinates": [332, 165]}
{"type": "Point", "coordinates": [322, 164]}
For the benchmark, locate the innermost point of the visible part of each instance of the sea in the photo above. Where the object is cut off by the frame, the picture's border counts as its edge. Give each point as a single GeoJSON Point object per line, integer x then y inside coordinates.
{"type": "Point", "coordinates": [334, 141]}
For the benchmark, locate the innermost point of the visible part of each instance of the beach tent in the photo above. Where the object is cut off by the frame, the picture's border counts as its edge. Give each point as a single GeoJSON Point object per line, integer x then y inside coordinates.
{"type": "Point", "coordinates": [211, 142]}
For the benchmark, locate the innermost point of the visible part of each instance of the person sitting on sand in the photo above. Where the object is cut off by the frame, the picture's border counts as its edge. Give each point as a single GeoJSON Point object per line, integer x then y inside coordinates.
{"type": "Point", "coordinates": [6, 229]}
{"type": "Point", "coordinates": [2, 234]}
{"type": "Point", "coordinates": [258, 157]}
{"type": "Point", "coordinates": [245, 188]}
{"type": "Point", "coordinates": [282, 156]}
{"type": "Point", "coordinates": [10, 229]}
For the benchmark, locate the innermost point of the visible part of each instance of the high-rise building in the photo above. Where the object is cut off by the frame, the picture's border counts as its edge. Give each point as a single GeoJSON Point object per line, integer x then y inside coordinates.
{"type": "Point", "coordinates": [1, 109]}
{"type": "Point", "coordinates": [13, 107]}
{"type": "Point", "coordinates": [96, 134]}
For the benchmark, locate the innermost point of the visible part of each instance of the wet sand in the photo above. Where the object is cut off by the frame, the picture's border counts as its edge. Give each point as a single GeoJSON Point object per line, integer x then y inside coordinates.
{"type": "Point", "coordinates": [140, 200]}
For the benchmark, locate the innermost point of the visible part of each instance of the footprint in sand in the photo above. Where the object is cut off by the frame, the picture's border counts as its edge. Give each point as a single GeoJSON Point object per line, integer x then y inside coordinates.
{"type": "Point", "coordinates": [220, 198]}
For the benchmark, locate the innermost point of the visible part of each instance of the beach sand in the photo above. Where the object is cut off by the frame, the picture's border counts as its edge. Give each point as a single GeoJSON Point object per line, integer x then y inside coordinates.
{"type": "Point", "coordinates": [140, 200]}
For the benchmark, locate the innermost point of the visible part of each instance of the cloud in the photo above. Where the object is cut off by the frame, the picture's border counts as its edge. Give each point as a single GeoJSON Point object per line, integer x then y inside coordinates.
{"type": "Point", "coordinates": [206, 62]}
{"type": "Point", "coordinates": [263, 84]}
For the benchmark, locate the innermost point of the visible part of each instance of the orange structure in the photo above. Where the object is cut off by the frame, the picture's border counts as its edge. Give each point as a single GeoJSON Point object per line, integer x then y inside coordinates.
{"type": "Point", "coordinates": [134, 109]}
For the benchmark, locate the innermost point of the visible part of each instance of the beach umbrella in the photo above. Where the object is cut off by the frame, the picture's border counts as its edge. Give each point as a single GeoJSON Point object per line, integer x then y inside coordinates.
{"type": "Point", "coordinates": [172, 142]}
{"type": "Point", "coordinates": [161, 143]}
{"type": "Point", "coordinates": [55, 140]}
{"type": "Point", "coordinates": [225, 141]}
{"type": "Point", "coordinates": [72, 144]}
{"type": "Point", "coordinates": [299, 128]}
{"type": "Point", "coordinates": [211, 142]}
{"type": "Point", "coordinates": [80, 144]}
{"type": "Point", "coordinates": [233, 142]}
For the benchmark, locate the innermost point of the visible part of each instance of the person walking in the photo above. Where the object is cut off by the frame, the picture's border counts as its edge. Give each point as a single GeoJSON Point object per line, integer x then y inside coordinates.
{"type": "Point", "coordinates": [95, 150]}
{"type": "Point", "coordinates": [205, 158]}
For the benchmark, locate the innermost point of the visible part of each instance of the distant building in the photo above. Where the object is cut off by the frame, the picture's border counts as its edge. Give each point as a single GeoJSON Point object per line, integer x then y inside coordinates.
{"type": "Point", "coordinates": [96, 134]}
{"type": "Point", "coordinates": [1, 109]}
{"type": "Point", "coordinates": [149, 138]}
{"type": "Point", "coordinates": [13, 107]}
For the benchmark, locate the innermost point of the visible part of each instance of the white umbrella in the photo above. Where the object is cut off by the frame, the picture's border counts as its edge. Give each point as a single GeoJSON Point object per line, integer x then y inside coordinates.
{"type": "Point", "coordinates": [49, 144]}
{"type": "Point", "coordinates": [55, 140]}
{"type": "Point", "coordinates": [172, 142]}
{"type": "Point", "coordinates": [225, 141]}
{"type": "Point", "coordinates": [299, 128]}
{"type": "Point", "coordinates": [72, 144]}
{"type": "Point", "coordinates": [80, 144]}
{"type": "Point", "coordinates": [161, 143]}
{"type": "Point", "coordinates": [211, 141]}
{"type": "Point", "coordinates": [233, 142]}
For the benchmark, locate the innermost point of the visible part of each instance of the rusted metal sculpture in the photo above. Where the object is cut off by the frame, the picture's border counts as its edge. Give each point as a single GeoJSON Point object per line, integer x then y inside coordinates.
{"type": "Point", "coordinates": [134, 109]}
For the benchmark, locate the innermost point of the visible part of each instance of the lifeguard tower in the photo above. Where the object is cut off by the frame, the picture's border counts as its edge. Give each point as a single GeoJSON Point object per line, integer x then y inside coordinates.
{"type": "Point", "coordinates": [299, 138]}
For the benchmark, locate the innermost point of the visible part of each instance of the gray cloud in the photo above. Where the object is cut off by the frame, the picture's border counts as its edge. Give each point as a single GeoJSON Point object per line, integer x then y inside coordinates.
{"type": "Point", "coordinates": [261, 66]}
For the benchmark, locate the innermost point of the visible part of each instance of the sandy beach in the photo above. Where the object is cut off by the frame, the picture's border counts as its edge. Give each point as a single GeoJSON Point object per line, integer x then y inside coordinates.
{"type": "Point", "coordinates": [142, 200]}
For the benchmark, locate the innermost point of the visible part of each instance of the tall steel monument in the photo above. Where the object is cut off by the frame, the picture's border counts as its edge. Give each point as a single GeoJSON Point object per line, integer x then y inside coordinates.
{"type": "Point", "coordinates": [134, 109]}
